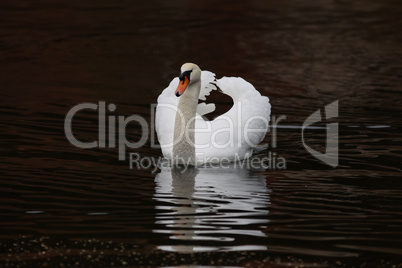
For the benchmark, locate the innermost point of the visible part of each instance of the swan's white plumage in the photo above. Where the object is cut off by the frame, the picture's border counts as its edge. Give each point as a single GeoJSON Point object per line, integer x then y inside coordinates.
{"type": "Point", "coordinates": [223, 137]}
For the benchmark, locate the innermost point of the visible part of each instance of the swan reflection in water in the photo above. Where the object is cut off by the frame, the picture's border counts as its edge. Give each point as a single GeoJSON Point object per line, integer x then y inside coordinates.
{"type": "Point", "coordinates": [211, 209]}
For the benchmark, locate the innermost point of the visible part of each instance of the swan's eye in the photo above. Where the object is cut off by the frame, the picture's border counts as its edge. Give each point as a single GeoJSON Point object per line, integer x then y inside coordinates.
{"type": "Point", "coordinates": [185, 74]}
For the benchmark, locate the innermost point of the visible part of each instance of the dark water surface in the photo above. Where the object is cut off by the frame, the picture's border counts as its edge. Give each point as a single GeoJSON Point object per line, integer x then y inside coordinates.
{"type": "Point", "coordinates": [65, 206]}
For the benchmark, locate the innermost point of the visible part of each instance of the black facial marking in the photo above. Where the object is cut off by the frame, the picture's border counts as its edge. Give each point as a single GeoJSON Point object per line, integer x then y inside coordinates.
{"type": "Point", "coordinates": [183, 74]}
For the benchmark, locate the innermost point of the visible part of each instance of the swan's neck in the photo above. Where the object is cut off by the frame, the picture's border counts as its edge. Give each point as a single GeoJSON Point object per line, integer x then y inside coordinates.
{"type": "Point", "coordinates": [183, 147]}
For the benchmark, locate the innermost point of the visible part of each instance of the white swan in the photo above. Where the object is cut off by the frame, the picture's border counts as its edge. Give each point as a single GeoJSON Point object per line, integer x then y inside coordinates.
{"type": "Point", "coordinates": [187, 138]}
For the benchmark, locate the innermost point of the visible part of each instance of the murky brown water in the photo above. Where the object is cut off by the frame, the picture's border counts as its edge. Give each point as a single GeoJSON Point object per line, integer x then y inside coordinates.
{"type": "Point", "coordinates": [83, 207]}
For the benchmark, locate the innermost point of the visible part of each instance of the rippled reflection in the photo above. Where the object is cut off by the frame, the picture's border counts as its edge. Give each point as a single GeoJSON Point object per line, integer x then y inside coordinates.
{"type": "Point", "coordinates": [210, 204]}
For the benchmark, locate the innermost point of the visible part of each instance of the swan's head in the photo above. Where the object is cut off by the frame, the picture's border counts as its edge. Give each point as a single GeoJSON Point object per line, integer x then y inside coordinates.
{"type": "Point", "coordinates": [190, 73]}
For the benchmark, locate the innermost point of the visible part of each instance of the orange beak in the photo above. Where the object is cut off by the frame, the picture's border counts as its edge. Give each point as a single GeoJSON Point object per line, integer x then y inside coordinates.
{"type": "Point", "coordinates": [182, 86]}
